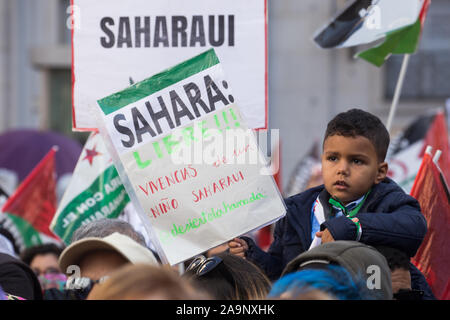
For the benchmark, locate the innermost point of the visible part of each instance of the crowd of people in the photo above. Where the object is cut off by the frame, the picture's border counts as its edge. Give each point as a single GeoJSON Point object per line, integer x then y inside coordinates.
{"type": "Point", "coordinates": [349, 239]}
{"type": "Point", "coordinates": [107, 260]}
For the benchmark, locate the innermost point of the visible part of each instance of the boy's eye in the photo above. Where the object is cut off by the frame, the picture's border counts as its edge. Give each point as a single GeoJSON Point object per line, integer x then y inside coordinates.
{"type": "Point", "coordinates": [357, 161]}
{"type": "Point", "coordinates": [331, 158]}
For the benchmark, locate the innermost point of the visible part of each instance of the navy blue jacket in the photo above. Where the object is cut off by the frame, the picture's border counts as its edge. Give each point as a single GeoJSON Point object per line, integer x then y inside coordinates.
{"type": "Point", "coordinates": [388, 217]}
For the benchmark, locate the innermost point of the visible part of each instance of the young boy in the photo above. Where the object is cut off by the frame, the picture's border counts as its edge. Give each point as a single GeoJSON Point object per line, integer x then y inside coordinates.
{"type": "Point", "coordinates": [357, 201]}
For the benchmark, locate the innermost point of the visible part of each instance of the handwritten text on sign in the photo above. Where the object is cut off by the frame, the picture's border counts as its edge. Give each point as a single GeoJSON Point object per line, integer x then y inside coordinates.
{"type": "Point", "coordinates": [192, 178]}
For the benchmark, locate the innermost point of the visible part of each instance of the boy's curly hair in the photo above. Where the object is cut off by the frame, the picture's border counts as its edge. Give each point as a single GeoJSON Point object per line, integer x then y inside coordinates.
{"type": "Point", "coordinates": [356, 122]}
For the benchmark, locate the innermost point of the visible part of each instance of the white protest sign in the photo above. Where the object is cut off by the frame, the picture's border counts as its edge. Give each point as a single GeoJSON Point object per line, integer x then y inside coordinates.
{"type": "Point", "coordinates": [188, 163]}
{"type": "Point", "coordinates": [117, 41]}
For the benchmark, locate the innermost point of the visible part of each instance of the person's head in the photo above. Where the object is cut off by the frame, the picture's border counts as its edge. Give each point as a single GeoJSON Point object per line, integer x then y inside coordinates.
{"type": "Point", "coordinates": [96, 258]}
{"type": "Point", "coordinates": [327, 283]}
{"type": "Point", "coordinates": [354, 151]}
{"type": "Point", "coordinates": [105, 227]}
{"type": "Point", "coordinates": [145, 282]}
{"type": "Point", "coordinates": [228, 277]}
{"type": "Point", "coordinates": [360, 260]}
{"type": "Point", "coordinates": [42, 258]}
{"type": "Point", "coordinates": [398, 263]}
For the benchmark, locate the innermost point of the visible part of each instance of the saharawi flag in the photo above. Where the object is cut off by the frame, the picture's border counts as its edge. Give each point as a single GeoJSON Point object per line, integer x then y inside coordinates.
{"type": "Point", "coordinates": [396, 23]}
{"type": "Point", "coordinates": [95, 191]}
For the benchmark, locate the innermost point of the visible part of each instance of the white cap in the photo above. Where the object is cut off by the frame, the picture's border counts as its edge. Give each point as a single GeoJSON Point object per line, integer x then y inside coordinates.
{"type": "Point", "coordinates": [124, 245]}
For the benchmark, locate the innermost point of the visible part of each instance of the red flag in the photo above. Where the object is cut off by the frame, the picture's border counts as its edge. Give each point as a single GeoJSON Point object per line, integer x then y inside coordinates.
{"type": "Point", "coordinates": [433, 256]}
{"type": "Point", "coordinates": [437, 138]}
{"type": "Point", "coordinates": [35, 198]}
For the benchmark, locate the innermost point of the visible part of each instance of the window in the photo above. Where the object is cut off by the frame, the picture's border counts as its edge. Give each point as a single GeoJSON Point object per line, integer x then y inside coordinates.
{"type": "Point", "coordinates": [64, 35]}
{"type": "Point", "coordinates": [428, 71]}
{"type": "Point", "coordinates": [60, 81]}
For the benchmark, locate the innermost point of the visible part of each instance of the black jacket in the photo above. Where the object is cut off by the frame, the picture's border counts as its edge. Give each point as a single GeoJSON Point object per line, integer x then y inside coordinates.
{"type": "Point", "coordinates": [18, 279]}
{"type": "Point", "coordinates": [388, 217]}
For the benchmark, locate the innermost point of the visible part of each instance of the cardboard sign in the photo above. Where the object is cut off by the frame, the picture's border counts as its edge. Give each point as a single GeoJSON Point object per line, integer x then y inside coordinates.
{"type": "Point", "coordinates": [191, 168]}
{"type": "Point", "coordinates": [117, 42]}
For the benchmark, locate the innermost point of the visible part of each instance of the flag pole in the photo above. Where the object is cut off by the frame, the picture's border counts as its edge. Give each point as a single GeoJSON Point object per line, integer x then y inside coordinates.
{"type": "Point", "coordinates": [398, 91]}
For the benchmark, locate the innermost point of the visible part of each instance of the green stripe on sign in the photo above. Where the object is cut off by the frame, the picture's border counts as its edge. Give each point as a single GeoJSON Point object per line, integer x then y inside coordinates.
{"type": "Point", "coordinates": [105, 198]}
{"type": "Point", "coordinates": [158, 82]}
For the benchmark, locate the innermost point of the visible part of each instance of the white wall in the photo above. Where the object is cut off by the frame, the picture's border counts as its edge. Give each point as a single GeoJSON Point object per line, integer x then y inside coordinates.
{"type": "Point", "coordinates": [25, 26]}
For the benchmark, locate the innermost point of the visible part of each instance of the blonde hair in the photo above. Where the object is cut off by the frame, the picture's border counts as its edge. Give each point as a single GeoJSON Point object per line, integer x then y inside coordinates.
{"type": "Point", "coordinates": [145, 282]}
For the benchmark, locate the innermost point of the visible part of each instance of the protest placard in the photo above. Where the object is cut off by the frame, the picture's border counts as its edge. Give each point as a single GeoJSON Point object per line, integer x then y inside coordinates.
{"type": "Point", "coordinates": [116, 41]}
{"type": "Point", "coordinates": [187, 160]}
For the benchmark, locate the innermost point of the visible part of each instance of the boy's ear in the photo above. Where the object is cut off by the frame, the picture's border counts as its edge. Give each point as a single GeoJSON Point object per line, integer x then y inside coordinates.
{"type": "Point", "coordinates": [382, 172]}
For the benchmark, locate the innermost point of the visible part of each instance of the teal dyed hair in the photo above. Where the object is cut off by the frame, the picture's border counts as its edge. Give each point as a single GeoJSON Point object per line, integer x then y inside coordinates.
{"type": "Point", "coordinates": [333, 280]}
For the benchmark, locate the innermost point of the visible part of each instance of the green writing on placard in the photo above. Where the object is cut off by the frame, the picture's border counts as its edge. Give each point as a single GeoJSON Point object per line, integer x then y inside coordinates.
{"type": "Point", "coordinates": [198, 131]}
{"type": "Point", "coordinates": [206, 217]}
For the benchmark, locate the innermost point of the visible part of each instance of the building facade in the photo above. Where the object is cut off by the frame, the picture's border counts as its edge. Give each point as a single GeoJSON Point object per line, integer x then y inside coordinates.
{"type": "Point", "coordinates": [307, 85]}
